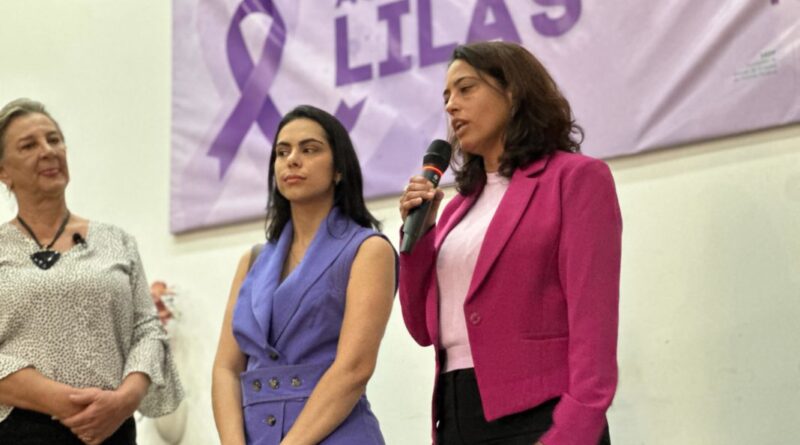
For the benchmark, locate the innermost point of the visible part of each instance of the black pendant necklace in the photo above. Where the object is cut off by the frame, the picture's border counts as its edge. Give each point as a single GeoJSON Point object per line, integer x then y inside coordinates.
{"type": "Point", "coordinates": [45, 257]}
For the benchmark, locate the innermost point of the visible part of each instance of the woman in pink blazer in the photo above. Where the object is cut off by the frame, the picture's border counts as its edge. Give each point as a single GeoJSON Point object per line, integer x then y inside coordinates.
{"type": "Point", "coordinates": [517, 285]}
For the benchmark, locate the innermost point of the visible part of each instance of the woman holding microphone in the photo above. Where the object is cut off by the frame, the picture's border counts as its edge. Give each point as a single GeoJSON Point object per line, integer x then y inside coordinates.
{"type": "Point", "coordinates": [517, 284]}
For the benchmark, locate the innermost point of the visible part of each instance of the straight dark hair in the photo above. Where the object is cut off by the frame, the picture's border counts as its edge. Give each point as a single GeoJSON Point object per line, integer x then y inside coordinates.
{"type": "Point", "coordinates": [541, 119]}
{"type": "Point", "coordinates": [348, 193]}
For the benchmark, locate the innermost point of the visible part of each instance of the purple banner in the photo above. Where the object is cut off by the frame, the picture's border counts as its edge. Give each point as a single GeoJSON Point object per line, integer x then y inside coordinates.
{"type": "Point", "coordinates": [641, 75]}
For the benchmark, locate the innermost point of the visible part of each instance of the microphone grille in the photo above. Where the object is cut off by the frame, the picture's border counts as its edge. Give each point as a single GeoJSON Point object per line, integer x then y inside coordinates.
{"type": "Point", "coordinates": [438, 154]}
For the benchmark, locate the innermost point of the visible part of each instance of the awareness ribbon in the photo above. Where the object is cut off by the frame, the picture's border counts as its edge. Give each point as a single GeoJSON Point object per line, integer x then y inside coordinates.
{"type": "Point", "coordinates": [255, 103]}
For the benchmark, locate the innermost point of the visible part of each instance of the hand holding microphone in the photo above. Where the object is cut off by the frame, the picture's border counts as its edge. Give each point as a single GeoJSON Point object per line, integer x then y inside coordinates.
{"type": "Point", "coordinates": [420, 201]}
{"type": "Point", "coordinates": [417, 191]}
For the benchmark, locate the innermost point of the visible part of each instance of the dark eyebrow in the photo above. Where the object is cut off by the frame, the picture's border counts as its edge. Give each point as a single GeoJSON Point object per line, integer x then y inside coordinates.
{"type": "Point", "coordinates": [457, 82]}
{"type": "Point", "coordinates": [302, 142]}
{"type": "Point", "coordinates": [306, 141]}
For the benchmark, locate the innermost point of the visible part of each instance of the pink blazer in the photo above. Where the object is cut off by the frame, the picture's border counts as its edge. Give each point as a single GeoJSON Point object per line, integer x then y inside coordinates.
{"type": "Point", "coordinates": [542, 307]}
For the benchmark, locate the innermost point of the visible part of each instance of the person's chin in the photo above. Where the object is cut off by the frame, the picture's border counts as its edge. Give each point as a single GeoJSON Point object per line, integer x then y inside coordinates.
{"type": "Point", "coordinates": [296, 194]}
{"type": "Point", "coordinates": [54, 186]}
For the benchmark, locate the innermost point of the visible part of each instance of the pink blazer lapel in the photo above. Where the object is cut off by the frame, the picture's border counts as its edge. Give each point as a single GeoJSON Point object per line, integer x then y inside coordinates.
{"type": "Point", "coordinates": [508, 215]}
{"type": "Point", "coordinates": [463, 204]}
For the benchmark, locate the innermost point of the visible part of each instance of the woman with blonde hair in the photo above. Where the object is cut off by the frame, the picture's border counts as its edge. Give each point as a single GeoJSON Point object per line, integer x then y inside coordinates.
{"type": "Point", "coordinates": [81, 347]}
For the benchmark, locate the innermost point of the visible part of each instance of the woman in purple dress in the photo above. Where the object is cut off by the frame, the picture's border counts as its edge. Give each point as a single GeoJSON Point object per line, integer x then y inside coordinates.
{"type": "Point", "coordinates": [303, 324]}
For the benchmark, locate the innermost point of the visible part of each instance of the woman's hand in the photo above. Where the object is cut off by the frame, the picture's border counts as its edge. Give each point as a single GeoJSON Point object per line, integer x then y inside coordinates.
{"type": "Point", "coordinates": [103, 413]}
{"type": "Point", "coordinates": [416, 192]}
{"type": "Point", "coordinates": [62, 406]}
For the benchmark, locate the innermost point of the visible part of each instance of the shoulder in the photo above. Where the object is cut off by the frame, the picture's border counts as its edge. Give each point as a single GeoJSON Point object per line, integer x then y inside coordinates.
{"type": "Point", "coordinates": [6, 228]}
{"type": "Point", "coordinates": [374, 258]}
{"type": "Point", "coordinates": [106, 233]}
{"type": "Point", "coordinates": [367, 239]}
{"type": "Point", "coordinates": [566, 168]}
{"type": "Point", "coordinates": [576, 162]}
{"type": "Point", "coordinates": [245, 262]}
{"type": "Point", "coordinates": [580, 178]}
{"type": "Point", "coordinates": [108, 229]}
{"type": "Point", "coordinates": [375, 246]}
{"type": "Point", "coordinates": [367, 242]}
{"type": "Point", "coordinates": [249, 257]}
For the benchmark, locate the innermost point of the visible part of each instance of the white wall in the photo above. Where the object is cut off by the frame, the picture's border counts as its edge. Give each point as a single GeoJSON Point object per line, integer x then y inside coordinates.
{"type": "Point", "coordinates": [710, 290]}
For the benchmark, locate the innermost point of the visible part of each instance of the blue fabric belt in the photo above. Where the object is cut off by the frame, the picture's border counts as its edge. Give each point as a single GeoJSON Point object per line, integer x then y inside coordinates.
{"type": "Point", "coordinates": [280, 383]}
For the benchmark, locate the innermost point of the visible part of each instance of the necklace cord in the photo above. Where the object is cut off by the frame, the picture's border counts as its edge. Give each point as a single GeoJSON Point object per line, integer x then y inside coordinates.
{"type": "Point", "coordinates": [58, 233]}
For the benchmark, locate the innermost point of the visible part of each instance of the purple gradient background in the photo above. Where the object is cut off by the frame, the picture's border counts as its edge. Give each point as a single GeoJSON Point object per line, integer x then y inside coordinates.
{"type": "Point", "coordinates": [639, 75]}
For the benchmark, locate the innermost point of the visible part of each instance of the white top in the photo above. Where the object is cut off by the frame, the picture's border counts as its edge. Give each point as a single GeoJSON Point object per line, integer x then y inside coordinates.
{"type": "Point", "coordinates": [88, 321]}
{"type": "Point", "coordinates": [455, 266]}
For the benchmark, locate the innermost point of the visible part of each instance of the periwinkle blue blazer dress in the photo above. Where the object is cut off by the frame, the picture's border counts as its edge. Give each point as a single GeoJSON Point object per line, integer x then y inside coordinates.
{"type": "Point", "coordinates": [289, 332]}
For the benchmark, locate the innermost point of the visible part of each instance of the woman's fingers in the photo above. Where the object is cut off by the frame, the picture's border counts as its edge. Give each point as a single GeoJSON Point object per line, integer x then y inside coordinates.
{"type": "Point", "coordinates": [417, 183]}
{"type": "Point", "coordinates": [415, 193]}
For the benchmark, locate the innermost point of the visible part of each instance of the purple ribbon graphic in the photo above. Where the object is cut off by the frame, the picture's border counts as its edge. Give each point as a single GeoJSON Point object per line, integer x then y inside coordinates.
{"type": "Point", "coordinates": [254, 81]}
{"type": "Point", "coordinates": [255, 104]}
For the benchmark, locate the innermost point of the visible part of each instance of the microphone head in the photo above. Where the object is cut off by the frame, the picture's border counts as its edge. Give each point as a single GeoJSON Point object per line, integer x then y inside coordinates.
{"type": "Point", "coordinates": [438, 155]}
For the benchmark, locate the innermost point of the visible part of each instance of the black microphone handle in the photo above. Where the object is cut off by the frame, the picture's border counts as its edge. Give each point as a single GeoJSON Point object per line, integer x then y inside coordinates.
{"type": "Point", "coordinates": [414, 221]}
{"type": "Point", "coordinates": [412, 229]}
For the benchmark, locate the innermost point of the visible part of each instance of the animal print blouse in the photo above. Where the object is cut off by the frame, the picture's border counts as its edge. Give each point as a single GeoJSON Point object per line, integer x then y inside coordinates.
{"type": "Point", "coordinates": [88, 321]}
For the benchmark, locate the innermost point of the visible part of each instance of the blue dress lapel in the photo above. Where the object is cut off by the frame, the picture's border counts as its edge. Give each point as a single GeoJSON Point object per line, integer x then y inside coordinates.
{"type": "Point", "coordinates": [331, 237]}
{"type": "Point", "coordinates": [273, 255]}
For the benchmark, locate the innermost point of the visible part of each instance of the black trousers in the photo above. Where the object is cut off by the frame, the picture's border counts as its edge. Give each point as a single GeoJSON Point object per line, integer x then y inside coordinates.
{"type": "Point", "coordinates": [23, 427]}
{"type": "Point", "coordinates": [462, 422]}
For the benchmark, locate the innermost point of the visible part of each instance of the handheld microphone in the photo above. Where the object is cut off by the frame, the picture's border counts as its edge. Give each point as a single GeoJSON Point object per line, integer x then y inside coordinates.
{"type": "Point", "coordinates": [78, 239]}
{"type": "Point", "coordinates": [434, 164]}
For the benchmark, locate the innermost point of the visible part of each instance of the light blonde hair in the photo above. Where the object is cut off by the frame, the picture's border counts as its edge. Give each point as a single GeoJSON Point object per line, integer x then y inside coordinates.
{"type": "Point", "coordinates": [16, 109]}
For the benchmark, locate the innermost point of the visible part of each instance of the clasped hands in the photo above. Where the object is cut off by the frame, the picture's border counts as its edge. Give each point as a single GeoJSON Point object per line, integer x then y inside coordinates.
{"type": "Point", "coordinates": [94, 414]}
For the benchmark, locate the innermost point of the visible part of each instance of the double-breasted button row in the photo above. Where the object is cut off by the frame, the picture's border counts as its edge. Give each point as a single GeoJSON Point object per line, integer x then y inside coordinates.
{"type": "Point", "coordinates": [274, 356]}
{"type": "Point", "coordinates": [275, 383]}
{"type": "Point", "coordinates": [271, 420]}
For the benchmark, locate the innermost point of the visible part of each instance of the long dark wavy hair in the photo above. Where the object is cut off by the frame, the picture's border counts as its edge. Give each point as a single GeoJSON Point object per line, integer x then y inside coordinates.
{"type": "Point", "coordinates": [541, 119]}
{"type": "Point", "coordinates": [348, 193]}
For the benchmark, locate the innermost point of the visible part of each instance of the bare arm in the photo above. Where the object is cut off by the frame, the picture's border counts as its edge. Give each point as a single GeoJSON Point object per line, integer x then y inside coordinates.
{"type": "Point", "coordinates": [134, 388]}
{"type": "Point", "coordinates": [29, 389]}
{"type": "Point", "coordinates": [226, 394]}
{"type": "Point", "coordinates": [368, 305]}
